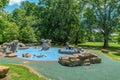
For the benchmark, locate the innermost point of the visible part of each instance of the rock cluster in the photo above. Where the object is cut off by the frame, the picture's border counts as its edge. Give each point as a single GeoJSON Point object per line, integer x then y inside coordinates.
{"type": "Point", "coordinates": [3, 71]}
{"type": "Point", "coordinates": [84, 59]}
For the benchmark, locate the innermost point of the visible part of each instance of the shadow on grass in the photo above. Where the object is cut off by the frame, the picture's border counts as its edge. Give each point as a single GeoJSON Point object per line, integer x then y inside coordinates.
{"type": "Point", "coordinates": [117, 54]}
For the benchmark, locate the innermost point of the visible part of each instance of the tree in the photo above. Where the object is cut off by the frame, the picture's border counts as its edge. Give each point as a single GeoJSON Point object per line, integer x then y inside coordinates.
{"type": "Point", "coordinates": [58, 19]}
{"type": "Point", "coordinates": [107, 16]}
{"type": "Point", "coordinates": [25, 19]}
{"type": "Point", "coordinates": [29, 7]}
{"type": "Point", "coordinates": [119, 36]}
{"type": "Point", "coordinates": [11, 32]}
{"type": "Point", "coordinates": [3, 3]}
{"type": "Point", "coordinates": [27, 35]}
{"type": "Point", "coordinates": [2, 28]}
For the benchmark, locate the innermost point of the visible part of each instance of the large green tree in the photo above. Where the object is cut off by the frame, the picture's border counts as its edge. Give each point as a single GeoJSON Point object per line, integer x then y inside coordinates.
{"type": "Point", "coordinates": [107, 16]}
{"type": "Point", "coordinates": [58, 19]}
{"type": "Point", "coordinates": [24, 17]}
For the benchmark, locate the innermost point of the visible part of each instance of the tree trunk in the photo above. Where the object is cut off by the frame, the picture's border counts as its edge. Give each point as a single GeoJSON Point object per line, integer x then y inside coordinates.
{"type": "Point", "coordinates": [106, 41]}
{"type": "Point", "coordinates": [77, 36]}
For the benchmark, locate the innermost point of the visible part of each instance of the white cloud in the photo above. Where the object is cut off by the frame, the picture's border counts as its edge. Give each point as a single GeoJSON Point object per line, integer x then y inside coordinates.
{"type": "Point", "coordinates": [12, 2]}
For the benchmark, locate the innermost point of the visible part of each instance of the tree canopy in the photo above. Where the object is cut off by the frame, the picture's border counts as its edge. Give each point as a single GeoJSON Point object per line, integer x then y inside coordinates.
{"type": "Point", "coordinates": [75, 21]}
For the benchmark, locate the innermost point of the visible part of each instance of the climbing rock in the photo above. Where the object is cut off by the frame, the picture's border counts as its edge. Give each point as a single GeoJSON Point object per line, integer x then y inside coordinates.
{"type": "Point", "coordinates": [95, 60]}
{"type": "Point", "coordinates": [86, 62]}
{"type": "Point", "coordinates": [84, 59]}
{"type": "Point", "coordinates": [3, 70]}
{"type": "Point", "coordinates": [21, 44]}
{"type": "Point", "coordinates": [46, 44]}
{"type": "Point", "coordinates": [1, 54]}
{"type": "Point", "coordinates": [11, 55]}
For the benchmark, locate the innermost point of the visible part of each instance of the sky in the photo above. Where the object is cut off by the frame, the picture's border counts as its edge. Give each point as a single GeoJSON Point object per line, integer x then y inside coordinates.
{"type": "Point", "coordinates": [15, 4]}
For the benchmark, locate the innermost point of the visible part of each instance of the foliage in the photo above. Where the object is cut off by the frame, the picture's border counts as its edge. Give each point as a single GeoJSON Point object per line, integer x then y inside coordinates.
{"type": "Point", "coordinates": [107, 16]}
{"type": "Point", "coordinates": [99, 45]}
{"type": "Point", "coordinates": [27, 34]}
{"type": "Point", "coordinates": [3, 3]}
{"type": "Point", "coordinates": [74, 21]}
{"type": "Point", "coordinates": [58, 19]}
{"type": "Point", "coordinates": [25, 19]}
{"type": "Point", "coordinates": [119, 38]}
{"type": "Point", "coordinates": [11, 32]}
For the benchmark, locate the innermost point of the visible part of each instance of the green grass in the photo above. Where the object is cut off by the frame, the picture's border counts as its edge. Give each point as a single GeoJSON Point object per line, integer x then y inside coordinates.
{"type": "Point", "coordinates": [17, 72]}
{"type": "Point", "coordinates": [99, 44]}
{"type": "Point", "coordinates": [114, 55]}
{"type": "Point", "coordinates": [113, 47]}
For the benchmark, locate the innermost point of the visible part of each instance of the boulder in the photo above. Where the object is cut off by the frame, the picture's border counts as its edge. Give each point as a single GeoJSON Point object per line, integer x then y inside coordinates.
{"type": "Point", "coordinates": [64, 58]}
{"type": "Point", "coordinates": [95, 60]}
{"type": "Point", "coordinates": [105, 51]}
{"type": "Point", "coordinates": [27, 55]}
{"type": "Point", "coordinates": [46, 44]}
{"type": "Point", "coordinates": [21, 44]}
{"type": "Point", "coordinates": [65, 62]}
{"type": "Point", "coordinates": [69, 46]}
{"type": "Point", "coordinates": [1, 54]}
{"type": "Point", "coordinates": [66, 51]}
{"type": "Point", "coordinates": [3, 71]}
{"type": "Point", "coordinates": [86, 62]}
{"type": "Point", "coordinates": [11, 55]}
{"type": "Point", "coordinates": [1, 50]}
{"type": "Point", "coordinates": [8, 52]}
{"type": "Point", "coordinates": [75, 62]}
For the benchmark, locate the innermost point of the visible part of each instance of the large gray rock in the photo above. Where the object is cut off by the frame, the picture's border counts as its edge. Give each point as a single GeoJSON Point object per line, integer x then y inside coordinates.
{"type": "Point", "coordinates": [46, 44]}
{"type": "Point", "coordinates": [68, 46]}
{"type": "Point", "coordinates": [3, 71]}
{"type": "Point", "coordinates": [12, 46]}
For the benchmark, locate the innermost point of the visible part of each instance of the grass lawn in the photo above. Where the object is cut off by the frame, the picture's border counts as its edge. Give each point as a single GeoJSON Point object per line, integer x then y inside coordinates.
{"type": "Point", "coordinates": [17, 72]}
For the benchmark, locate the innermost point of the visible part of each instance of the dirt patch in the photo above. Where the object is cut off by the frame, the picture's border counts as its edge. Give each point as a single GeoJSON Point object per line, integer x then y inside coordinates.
{"type": "Point", "coordinates": [7, 77]}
